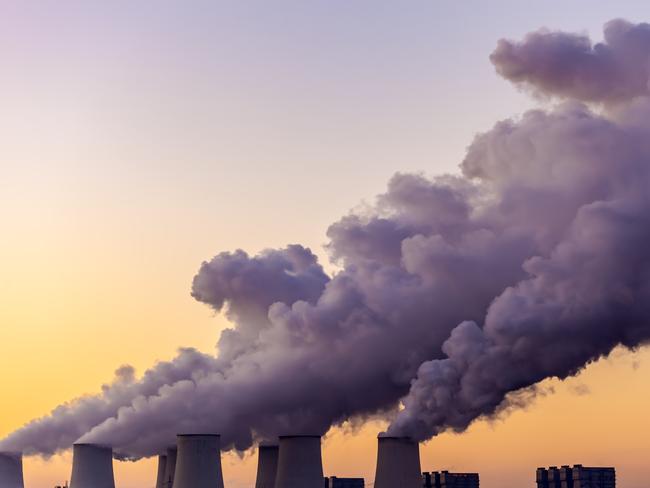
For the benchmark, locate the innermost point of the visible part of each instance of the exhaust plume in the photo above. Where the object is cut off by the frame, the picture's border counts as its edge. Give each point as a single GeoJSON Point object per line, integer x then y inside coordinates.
{"type": "Point", "coordinates": [570, 66]}
{"type": "Point", "coordinates": [451, 293]}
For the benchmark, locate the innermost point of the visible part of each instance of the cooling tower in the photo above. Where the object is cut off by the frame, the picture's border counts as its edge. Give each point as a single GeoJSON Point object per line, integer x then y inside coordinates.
{"type": "Point", "coordinates": [170, 468]}
{"type": "Point", "coordinates": [299, 462]}
{"type": "Point", "coordinates": [198, 464]}
{"type": "Point", "coordinates": [11, 470]}
{"type": "Point", "coordinates": [267, 466]}
{"type": "Point", "coordinates": [398, 463]}
{"type": "Point", "coordinates": [162, 465]}
{"type": "Point", "coordinates": [92, 467]}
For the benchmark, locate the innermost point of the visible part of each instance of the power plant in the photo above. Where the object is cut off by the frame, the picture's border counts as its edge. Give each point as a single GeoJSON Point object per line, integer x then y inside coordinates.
{"type": "Point", "coordinates": [299, 462]}
{"type": "Point", "coordinates": [295, 463]}
{"type": "Point", "coordinates": [162, 466]}
{"type": "Point", "coordinates": [170, 467]}
{"type": "Point", "coordinates": [11, 470]}
{"type": "Point", "coordinates": [577, 476]}
{"type": "Point", "coordinates": [336, 482]}
{"type": "Point", "coordinates": [445, 479]}
{"type": "Point", "coordinates": [198, 464]}
{"type": "Point", "coordinates": [92, 467]}
{"type": "Point", "coordinates": [267, 466]}
{"type": "Point", "coordinates": [398, 463]}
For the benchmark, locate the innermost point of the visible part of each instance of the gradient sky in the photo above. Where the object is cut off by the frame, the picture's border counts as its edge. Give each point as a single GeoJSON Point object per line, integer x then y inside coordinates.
{"type": "Point", "coordinates": [140, 138]}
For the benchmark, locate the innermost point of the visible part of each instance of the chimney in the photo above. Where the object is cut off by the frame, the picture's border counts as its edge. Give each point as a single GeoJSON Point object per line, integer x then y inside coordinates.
{"type": "Point", "coordinates": [162, 465]}
{"type": "Point", "coordinates": [11, 470]}
{"type": "Point", "coordinates": [398, 463]}
{"type": "Point", "coordinates": [199, 462]}
{"type": "Point", "coordinates": [92, 467]}
{"type": "Point", "coordinates": [299, 462]}
{"type": "Point", "coordinates": [267, 466]}
{"type": "Point", "coordinates": [170, 468]}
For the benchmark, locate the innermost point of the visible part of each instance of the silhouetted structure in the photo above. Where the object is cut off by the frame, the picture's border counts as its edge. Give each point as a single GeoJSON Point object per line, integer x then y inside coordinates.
{"type": "Point", "coordinates": [198, 461]}
{"type": "Point", "coordinates": [398, 463]}
{"type": "Point", "coordinates": [92, 466]}
{"type": "Point", "coordinates": [11, 470]}
{"type": "Point", "coordinates": [299, 462]}
{"type": "Point", "coordinates": [267, 466]}
{"type": "Point", "coordinates": [445, 479]}
{"type": "Point", "coordinates": [334, 482]}
{"type": "Point", "coordinates": [577, 476]}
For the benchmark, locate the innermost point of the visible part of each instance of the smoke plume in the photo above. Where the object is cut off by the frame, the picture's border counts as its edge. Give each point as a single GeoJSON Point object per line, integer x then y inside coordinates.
{"type": "Point", "coordinates": [569, 66]}
{"type": "Point", "coordinates": [451, 292]}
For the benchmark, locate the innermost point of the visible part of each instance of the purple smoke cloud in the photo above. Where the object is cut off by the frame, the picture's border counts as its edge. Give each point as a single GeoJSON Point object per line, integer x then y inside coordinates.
{"type": "Point", "coordinates": [452, 291]}
{"type": "Point", "coordinates": [570, 66]}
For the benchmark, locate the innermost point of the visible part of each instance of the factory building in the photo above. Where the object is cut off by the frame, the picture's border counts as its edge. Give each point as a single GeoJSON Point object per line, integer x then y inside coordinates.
{"type": "Point", "coordinates": [267, 466]}
{"type": "Point", "coordinates": [299, 462]}
{"type": "Point", "coordinates": [92, 466]}
{"type": "Point", "coordinates": [445, 479]}
{"type": "Point", "coordinates": [11, 470]}
{"type": "Point", "coordinates": [398, 463]}
{"type": "Point", "coordinates": [578, 476]}
{"type": "Point", "coordinates": [198, 461]}
{"type": "Point", "coordinates": [335, 482]}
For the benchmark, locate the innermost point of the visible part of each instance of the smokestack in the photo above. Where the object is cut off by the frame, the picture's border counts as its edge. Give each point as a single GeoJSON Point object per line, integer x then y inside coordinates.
{"type": "Point", "coordinates": [398, 463]}
{"type": "Point", "coordinates": [11, 470]}
{"type": "Point", "coordinates": [170, 468]}
{"type": "Point", "coordinates": [92, 467]}
{"type": "Point", "coordinates": [199, 462]}
{"type": "Point", "coordinates": [162, 466]}
{"type": "Point", "coordinates": [299, 462]}
{"type": "Point", "coordinates": [267, 466]}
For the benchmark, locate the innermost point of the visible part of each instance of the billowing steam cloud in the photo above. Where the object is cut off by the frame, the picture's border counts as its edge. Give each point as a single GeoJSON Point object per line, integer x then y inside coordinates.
{"type": "Point", "coordinates": [452, 292]}
{"type": "Point", "coordinates": [569, 66]}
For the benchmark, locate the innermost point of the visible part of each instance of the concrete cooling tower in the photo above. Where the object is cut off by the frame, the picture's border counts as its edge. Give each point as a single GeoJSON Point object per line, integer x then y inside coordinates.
{"type": "Point", "coordinates": [299, 462]}
{"type": "Point", "coordinates": [11, 470]}
{"type": "Point", "coordinates": [398, 463]}
{"type": "Point", "coordinates": [170, 468]}
{"type": "Point", "coordinates": [92, 467]}
{"type": "Point", "coordinates": [162, 465]}
{"type": "Point", "coordinates": [198, 464]}
{"type": "Point", "coordinates": [267, 466]}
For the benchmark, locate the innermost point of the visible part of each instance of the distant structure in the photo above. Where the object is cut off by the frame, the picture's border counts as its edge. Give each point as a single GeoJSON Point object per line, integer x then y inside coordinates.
{"type": "Point", "coordinates": [577, 476]}
{"type": "Point", "coordinates": [334, 482]}
{"type": "Point", "coordinates": [267, 466]}
{"type": "Point", "coordinates": [445, 479]}
{"type": "Point", "coordinates": [299, 462]}
{"type": "Point", "coordinates": [170, 467]}
{"type": "Point", "coordinates": [398, 463]}
{"type": "Point", "coordinates": [198, 462]}
{"type": "Point", "coordinates": [11, 470]}
{"type": "Point", "coordinates": [92, 466]}
{"type": "Point", "coordinates": [162, 466]}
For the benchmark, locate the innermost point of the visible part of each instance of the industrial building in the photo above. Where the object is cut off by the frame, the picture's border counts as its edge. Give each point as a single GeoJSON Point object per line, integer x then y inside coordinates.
{"type": "Point", "coordinates": [267, 465]}
{"type": "Point", "coordinates": [578, 476]}
{"type": "Point", "coordinates": [170, 467]}
{"type": "Point", "coordinates": [92, 467]}
{"type": "Point", "coordinates": [162, 467]}
{"type": "Point", "coordinates": [335, 482]}
{"type": "Point", "coordinates": [295, 463]}
{"type": "Point", "coordinates": [198, 463]}
{"type": "Point", "coordinates": [398, 463]}
{"type": "Point", "coordinates": [299, 462]}
{"type": "Point", "coordinates": [445, 479]}
{"type": "Point", "coordinates": [11, 470]}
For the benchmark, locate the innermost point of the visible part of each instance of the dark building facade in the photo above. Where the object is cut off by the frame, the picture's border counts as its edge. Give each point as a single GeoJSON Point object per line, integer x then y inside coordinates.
{"type": "Point", "coordinates": [334, 482]}
{"type": "Point", "coordinates": [578, 476]}
{"type": "Point", "coordinates": [445, 479]}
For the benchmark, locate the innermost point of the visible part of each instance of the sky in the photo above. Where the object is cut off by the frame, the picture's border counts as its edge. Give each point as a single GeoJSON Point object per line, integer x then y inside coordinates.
{"type": "Point", "coordinates": [142, 138]}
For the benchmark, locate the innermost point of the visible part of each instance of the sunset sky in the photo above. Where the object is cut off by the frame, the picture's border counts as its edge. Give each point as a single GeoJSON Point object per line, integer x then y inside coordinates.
{"type": "Point", "coordinates": [141, 138]}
